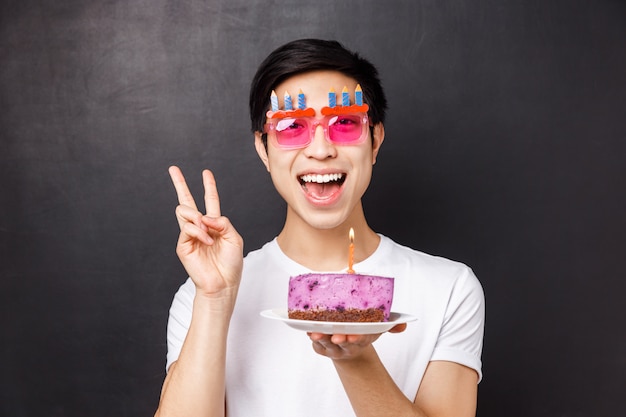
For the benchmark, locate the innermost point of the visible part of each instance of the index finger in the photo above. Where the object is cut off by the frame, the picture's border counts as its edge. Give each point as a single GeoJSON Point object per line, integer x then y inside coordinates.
{"type": "Point", "coordinates": [211, 197]}
{"type": "Point", "coordinates": [182, 190]}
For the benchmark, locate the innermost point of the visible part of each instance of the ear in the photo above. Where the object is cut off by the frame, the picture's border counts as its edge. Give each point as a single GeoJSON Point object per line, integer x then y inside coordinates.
{"type": "Point", "coordinates": [377, 140]}
{"type": "Point", "coordinates": [261, 150]}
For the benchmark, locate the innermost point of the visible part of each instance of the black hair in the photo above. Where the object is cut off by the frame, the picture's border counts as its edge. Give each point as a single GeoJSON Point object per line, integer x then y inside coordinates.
{"type": "Point", "coordinates": [307, 55]}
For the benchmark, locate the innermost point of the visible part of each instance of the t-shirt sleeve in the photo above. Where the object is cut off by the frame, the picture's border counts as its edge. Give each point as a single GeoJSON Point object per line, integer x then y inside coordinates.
{"type": "Point", "coordinates": [461, 336]}
{"type": "Point", "coordinates": [179, 320]}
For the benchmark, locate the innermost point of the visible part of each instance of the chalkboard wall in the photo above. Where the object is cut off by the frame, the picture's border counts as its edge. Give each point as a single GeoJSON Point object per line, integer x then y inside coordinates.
{"type": "Point", "coordinates": [505, 149]}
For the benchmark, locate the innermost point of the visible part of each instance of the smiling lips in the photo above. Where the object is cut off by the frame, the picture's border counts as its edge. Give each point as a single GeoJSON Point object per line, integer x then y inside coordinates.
{"type": "Point", "coordinates": [321, 188]}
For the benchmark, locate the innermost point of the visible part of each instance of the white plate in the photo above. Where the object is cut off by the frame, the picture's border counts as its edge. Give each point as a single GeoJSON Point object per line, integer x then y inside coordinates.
{"type": "Point", "coordinates": [334, 327]}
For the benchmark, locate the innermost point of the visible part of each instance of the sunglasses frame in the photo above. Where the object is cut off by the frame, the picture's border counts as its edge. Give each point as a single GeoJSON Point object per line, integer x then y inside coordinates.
{"type": "Point", "coordinates": [312, 124]}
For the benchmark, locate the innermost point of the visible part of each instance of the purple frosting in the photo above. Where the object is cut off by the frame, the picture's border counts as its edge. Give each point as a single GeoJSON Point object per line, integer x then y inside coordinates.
{"type": "Point", "coordinates": [340, 291]}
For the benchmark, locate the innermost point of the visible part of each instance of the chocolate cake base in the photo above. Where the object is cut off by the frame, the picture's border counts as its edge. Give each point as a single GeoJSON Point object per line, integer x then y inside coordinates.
{"type": "Point", "coordinates": [344, 315]}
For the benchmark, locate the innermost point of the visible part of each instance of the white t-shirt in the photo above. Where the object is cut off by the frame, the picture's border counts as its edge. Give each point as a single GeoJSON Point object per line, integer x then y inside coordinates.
{"type": "Point", "coordinates": [272, 370]}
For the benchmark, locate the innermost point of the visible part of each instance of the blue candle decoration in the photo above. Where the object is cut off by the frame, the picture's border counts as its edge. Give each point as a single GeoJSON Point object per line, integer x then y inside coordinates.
{"type": "Point", "coordinates": [345, 97]}
{"type": "Point", "coordinates": [274, 101]}
{"type": "Point", "coordinates": [288, 105]}
{"type": "Point", "coordinates": [332, 98]}
{"type": "Point", "coordinates": [358, 95]}
{"type": "Point", "coordinates": [301, 103]}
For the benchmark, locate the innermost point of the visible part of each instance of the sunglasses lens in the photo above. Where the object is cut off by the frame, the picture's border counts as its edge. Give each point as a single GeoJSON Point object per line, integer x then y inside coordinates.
{"type": "Point", "coordinates": [292, 132]}
{"type": "Point", "coordinates": [346, 129]}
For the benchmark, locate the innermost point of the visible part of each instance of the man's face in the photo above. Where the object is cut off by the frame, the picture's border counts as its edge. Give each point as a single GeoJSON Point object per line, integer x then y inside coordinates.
{"type": "Point", "coordinates": [322, 183]}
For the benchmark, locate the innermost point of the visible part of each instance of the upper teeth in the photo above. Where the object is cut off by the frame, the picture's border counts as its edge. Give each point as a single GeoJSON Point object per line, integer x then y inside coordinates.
{"type": "Point", "coordinates": [321, 178]}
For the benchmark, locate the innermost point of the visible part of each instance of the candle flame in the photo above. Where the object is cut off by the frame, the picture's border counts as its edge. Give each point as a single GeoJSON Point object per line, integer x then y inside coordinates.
{"type": "Point", "coordinates": [351, 234]}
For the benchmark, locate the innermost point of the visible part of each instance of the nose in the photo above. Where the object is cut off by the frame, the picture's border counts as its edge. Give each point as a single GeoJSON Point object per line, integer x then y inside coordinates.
{"type": "Point", "coordinates": [320, 147]}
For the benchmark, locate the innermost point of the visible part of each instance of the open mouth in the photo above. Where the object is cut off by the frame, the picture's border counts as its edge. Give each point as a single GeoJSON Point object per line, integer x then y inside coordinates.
{"type": "Point", "coordinates": [322, 186]}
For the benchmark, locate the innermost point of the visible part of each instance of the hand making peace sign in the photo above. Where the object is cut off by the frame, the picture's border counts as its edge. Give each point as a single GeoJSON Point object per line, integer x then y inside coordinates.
{"type": "Point", "coordinates": [208, 246]}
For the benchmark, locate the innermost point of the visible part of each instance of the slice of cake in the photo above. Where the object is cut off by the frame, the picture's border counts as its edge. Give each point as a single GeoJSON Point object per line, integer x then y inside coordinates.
{"type": "Point", "coordinates": [340, 297]}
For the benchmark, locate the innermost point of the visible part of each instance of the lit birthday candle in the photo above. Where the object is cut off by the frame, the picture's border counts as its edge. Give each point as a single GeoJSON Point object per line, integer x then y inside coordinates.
{"type": "Point", "coordinates": [274, 101]}
{"type": "Point", "coordinates": [332, 98]}
{"type": "Point", "coordinates": [345, 96]}
{"type": "Point", "coordinates": [288, 105]}
{"type": "Point", "coordinates": [358, 95]}
{"type": "Point", "coordinates": [301, 103]}
{"type": "Point", "coordinates": [351, 252]}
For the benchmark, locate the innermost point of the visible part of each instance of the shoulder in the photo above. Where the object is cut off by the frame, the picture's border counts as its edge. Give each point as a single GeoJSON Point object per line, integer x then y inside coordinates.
{"type": "Point", "coordinates": [431, 278]}
{"type": "Point", "coordinates": [425, 264]}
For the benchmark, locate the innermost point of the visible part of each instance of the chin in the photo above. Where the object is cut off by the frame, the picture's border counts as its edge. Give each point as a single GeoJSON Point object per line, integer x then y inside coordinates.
{"type": "Point", "coordinates": [324, 221]}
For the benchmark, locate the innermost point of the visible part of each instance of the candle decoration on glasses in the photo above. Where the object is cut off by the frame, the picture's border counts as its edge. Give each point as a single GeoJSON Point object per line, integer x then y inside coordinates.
{"type": "Point", "coordinates": [358, 95]}
{"type": "Point", "coordinates": [345, 97]}
{"type": "Point", "coordinates": [351, 252]}
{"type": "Point", "coordinates": [332, 98]}
{"type": "Point", "coordinates": [288, 105]}
{"type": "Point", "coordinates": [300, 110]}
{"type": "Point", "coordinates": [345, 107]}
{"type": "Point", "coordinates": [301, 102]}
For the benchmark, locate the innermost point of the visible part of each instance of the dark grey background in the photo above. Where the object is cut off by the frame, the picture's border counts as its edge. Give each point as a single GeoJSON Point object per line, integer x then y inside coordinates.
{"type": "Point", "coordinates": [505, 149]}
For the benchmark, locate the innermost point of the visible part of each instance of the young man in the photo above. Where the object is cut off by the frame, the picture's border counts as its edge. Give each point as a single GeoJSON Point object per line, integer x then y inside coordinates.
{"type": "Point", "coordinates": [224, 359]}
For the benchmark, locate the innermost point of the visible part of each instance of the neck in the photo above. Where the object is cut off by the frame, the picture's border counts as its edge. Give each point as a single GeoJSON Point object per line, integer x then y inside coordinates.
{"type": "Point", "coordinates": [327, 249]}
